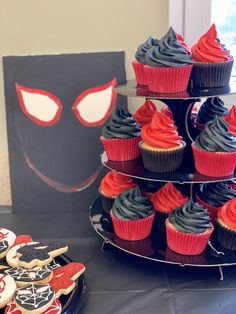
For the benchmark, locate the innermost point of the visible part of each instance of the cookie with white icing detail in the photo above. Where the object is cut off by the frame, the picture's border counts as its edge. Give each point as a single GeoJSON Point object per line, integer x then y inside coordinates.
{"type": "Point", "coordinates": [7, 239]}
{"type": "Point", "coordinates": [11, 256]}
{"type": "Point", "coordinates": [34, 298]}
{"type": "Point", "coordinates": [23, 276]}
{"type": "Point", "coordinates": [55, 308]}
{"type": "Point", "coordinates": [7, 289]}
{"type": "Point", "coordinates": [39, 254]}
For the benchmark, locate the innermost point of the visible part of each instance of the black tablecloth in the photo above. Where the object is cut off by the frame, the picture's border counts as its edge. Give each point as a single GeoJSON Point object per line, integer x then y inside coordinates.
{"type": "Point", "coordinates": [118, 283]}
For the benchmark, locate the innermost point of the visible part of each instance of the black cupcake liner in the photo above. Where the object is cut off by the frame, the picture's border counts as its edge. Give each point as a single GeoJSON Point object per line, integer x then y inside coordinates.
{"type": "Point", "coordinates": [225, 237]}
{"type": "Point", "coordinates": [162, 161]}
{"type": "Point", "coordinates": [211, 74]}
{"type": "Point", "coordinates": [107, 202]}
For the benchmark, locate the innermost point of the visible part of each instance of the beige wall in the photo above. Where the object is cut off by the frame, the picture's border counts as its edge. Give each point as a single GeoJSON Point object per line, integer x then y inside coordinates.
{"type": "Point", "coordinates": [64, 26]}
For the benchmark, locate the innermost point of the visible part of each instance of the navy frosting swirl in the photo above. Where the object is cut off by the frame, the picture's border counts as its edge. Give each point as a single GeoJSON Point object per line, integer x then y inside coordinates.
{"type": "Point", "coordinates": [143, 48]}
{"type": "Point", "coordinates": [216, 137]}
{"type": "Point", "coordinates": [216, 194]}
{"type": "Point", "coordinates": [168, 53]}
{"type": "Point", "coordinates": [211, 107]}
{"type": "Point", "coordinates": [121, 125]}
{"type": "Point", "coordinates": [190, 218]}
{"type": "Point", "coordinates": [132, 205]}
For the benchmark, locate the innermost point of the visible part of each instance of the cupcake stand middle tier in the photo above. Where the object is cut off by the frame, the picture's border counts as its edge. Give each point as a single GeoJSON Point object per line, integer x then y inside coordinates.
{"type": "Point", "coordinates": [154, 247]}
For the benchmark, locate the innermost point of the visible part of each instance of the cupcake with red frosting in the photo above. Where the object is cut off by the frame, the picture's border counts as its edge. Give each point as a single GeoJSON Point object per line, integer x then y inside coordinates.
{"type": "Point", "coordinates": [226, 225]}
{"type": "Point", "coordinates": [161, 147]}
{"type": "Point", "coordinates": [212, 63]}
{"type": "Point", "coordinates": [145, 113]}
{"type": "Point", "coordinates": [112, 185]}
{"type": "Point", "coordinates": [165, 200]}
{"type": "Point", "coordinates": [231, 120]}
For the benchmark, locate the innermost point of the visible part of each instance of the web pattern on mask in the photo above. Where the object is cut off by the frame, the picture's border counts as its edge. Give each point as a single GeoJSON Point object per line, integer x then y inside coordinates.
{"type": "Point", "coordinates": [34, 274]}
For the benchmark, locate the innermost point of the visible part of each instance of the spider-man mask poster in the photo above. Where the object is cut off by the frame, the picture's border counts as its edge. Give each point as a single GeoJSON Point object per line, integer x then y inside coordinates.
{"type": "Point", "coordinates": [56, 106]}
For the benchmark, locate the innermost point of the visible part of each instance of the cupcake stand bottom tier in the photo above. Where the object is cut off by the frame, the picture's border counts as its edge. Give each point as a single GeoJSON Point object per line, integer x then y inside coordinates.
{"type": "Point", "coordinates": [155, 248]}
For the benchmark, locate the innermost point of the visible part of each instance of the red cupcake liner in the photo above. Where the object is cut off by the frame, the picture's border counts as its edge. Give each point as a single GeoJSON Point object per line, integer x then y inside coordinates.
{"type": "Point", "coordinates": [139, 72]}
{"type": "Point", "coordinates": [121, 149]}
{"type": "Point", "coordinates": [187, 243]}
{"type": "Point", "coordinates": [211, 209]}
{"type": "Point", "coordinates": [132, 230]}
{"type": "Point", "coordinates": [214, 164]}
{"type": "Point", "coordinates": [168, 79]}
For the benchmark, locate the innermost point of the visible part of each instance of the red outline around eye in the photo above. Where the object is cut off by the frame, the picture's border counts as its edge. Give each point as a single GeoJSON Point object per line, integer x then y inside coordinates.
{"type": "Point", "coordinates": [94, 90]}
{"type": "Point", "coordinates": [56, 118]}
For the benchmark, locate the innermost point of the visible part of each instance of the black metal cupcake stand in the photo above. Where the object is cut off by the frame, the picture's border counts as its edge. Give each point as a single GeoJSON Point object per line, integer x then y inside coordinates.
{"type": "Point", "coordinates": [154, 247]}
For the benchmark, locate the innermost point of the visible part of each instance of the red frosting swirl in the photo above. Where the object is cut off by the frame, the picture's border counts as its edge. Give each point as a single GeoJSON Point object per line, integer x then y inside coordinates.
{"type": "Point", "coordinates": [231, 119]}
{"type": "Point", "coordinates": [228, 213]}
{"type": "Point", "coordinates": [168, 198]}
{"type": "Point", "coordinates": [182, 41]}
{"type": "Point", "coordinates": [161, 132]}
{"type": "Point", "coordinates": [166, 111]}
{"type": "Point", "coordinates": [209, 49]}
{"type": "Point", "coordinates": [115, 183]}
{"type": "Point", "coordinates": [145, 113]}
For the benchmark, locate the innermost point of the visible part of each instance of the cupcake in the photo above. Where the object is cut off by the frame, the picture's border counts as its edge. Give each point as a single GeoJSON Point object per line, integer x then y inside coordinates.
{"type": "Point", "coordinates": [232, 183]}
{"type": "Point", "coordinates": [148, 187]}
{"type": "Point", "coordinates": [214, 149]}
{"type": "Point", "coordinates": [161, 147]}
{"type": "Point", "coordinates": [168, 65]}
{"type": "Point", "coordinates": [112, 185]}
{"type": "Point", "coordinates": [132, 215]}
{"type": "Point", "coordinates": [213, 195]}
{"type": "Point", "coordinates": [180, 38]}
{"type": "Point", "coordinates": [226, 225]}
{"type": "Point", "coordinates": [145, 113]}
{"type": "Point", "coordinates": [138, 64]}
{"type": "Point", "coordinates": [231, 120]}
{"type": "Point", "coordinates": [212, 63]}
{"type": "Point", "coordinates": [188, 229]}
{"type": "Point", "coordinates": [211, 107]}
{"type": "Point", "coordinates": [165, 200]}
{"type": "Point", "coordinates": [167, 111]}
{"type": "Point", "coordinates": [121, 135]}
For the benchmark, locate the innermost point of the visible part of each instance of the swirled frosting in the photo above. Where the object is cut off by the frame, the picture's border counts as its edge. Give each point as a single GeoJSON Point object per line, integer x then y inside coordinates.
{"type": "Point", "coordinates": [115, 183]}
{"type": "Point", "coordinates": [190, 218]}
{"type": "Point", "coordinates": [209, 48]}
{"type": "Point", "coordinates": [168, 198]}
{"type": "Point", "coordinates": [231, 120]}
{"type": "Point", "coordinates": [121, 125]}
{"type": "Point", "coordinates": [211, 107]}
{"type": "Point", "coordinates": [143, 48]}
{"type": "Point", "coordinates": [169, 52]}
{"type": "Point", "coordinates": [161, 132]}
{"type": "Point", "coordinates": [216, 194]}
{"type": "Point", "coordinates": [145, 113]}
{"type": "Point", "coordinates": [131, 205]}
{"type": "Point", "coordinates": [216, 137]}
{"type": "Point", "coordinates": [228, 213]}
{"type": "Point", "coordinates": [180, 38]}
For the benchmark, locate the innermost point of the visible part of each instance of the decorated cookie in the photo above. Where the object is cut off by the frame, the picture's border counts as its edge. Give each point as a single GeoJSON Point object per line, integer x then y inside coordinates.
{"type": "Point", "coordinates": [54, 265]}
{"type": "Point", "coordinates": [39, 254]}
{"type": "Point", "coordinates": [24, 276]}
{"type": "Point", "coordinates": [7, 239]}
{"type": "Point", "coordinates": [34, 298]}
{"type": "Point", "coordinates": [7, 289]}
{"type": "Point", "coordinates": [23, 238]}
{"type": "Point", "coordinates": [55, 308]}
{"type": "Point", "coordinates": [64, 278]}
{"type": "Point", "coordinates": [11, 256]}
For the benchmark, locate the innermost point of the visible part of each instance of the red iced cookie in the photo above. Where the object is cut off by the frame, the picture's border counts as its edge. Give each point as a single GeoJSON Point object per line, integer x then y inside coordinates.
{"type": "Point", "coordinates": [23, 238]}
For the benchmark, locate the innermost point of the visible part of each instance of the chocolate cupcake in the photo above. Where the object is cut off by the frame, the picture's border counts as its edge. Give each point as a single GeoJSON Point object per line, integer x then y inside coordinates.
{"type": "Point", "coordinates": [121, 136]}
{"type": "Point", "coordinates": [188, 229]}
{"type": "Point", "coordinates": [214, 149]}
{"type": "Point", "coordinates": [168, 65]}
{"type": "Point", "coordinates": [145, 113]}
{"type": "Point", "coordinates": [132, 215]}
{"type": "Point", "coordinates": [213, 195]}
{"type": "Point", "coordinates": [211, 107]}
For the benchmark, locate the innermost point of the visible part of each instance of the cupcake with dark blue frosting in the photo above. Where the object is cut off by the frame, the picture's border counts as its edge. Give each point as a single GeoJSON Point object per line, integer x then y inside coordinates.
{"type": "Point", "coordinates": [214, 149]}
{"type": "Point", "coordinates": [132, 215]}
{"type": "Point", "coordinates": [168, 65]}
{"type": "Point", "coordinates": [121, 136]}
{"type": "Point", "coordinates": [139, 62]}
{"type": "Point", "coordinates": [188, 229]}
{"type": "Point", "coordinates": [211, 107]}
{"type": "Point", "coordinates": [213, 196]}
